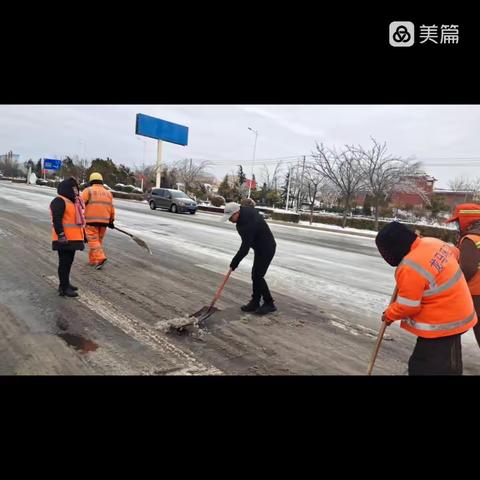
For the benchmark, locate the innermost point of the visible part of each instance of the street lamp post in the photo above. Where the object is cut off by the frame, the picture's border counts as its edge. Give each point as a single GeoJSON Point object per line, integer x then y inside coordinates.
{"type": "Point", "coordinates": [253, 160]}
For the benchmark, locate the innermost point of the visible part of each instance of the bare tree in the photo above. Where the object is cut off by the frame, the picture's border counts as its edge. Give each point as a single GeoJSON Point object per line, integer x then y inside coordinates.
{"type": "Point", "coordinates": [383, 174]}
{"type": "Point", "coordinates": [459, 184]}
{"type": "Point", "coordinates": [82, 166]}
{"type": "Point", "coordinates": [467, 185]}
{"type": "Point", "coordinates": [343, 170]}
{"type": "Point", "coordinates": [475, 188]}
{"type": "Point", "coordinates": [190, 172]}
{"type": "Point", "coordinates": [314, 182]}
{"type": "Point", "coordinates": [271, 178]}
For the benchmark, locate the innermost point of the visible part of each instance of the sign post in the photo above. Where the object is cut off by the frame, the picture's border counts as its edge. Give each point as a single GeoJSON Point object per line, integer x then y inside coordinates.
{"type": "Point", "coordinates": [159, 163]}
{"type": "Point", "coordinates": [51, 164]}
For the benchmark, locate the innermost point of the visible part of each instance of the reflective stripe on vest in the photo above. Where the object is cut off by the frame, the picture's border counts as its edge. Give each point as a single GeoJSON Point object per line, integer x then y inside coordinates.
{"type": "Point", "coordinates": [444, 286]}
{"type": "Point", "coordinates": [99, 208]}
{"type": "Point", "coordinates": [91, 194]}
{"type": "Point", "coordinates": [442, 327]}
{"type": "Point", "coordinates": [72, 231]}
{"type": "Point", "coordinates": [434, 288]}
{"type": "Point", "coordinates": [408, 302]}
{"type": "Point", "coordinates": [107, 219]}
{"type": "Point", "coordinates": [419, 269]}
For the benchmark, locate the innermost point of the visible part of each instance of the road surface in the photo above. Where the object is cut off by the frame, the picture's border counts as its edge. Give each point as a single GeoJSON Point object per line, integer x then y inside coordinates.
{"type": "Point", "coordinates": [330, 288]}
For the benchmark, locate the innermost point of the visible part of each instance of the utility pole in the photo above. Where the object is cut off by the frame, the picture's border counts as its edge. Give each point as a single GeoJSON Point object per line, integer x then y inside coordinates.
{"type": "Point", "coordinates": [253, 160]}
{"type": "Point", "coordinates": [288, 187]}
{"type": "Point", "coordinates": [301, 183]}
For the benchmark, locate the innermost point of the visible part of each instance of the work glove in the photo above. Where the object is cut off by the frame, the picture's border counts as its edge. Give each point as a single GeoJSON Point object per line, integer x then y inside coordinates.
{"type": "Point", "coordinates": [233, 267]}
{"type": "Point", "coordinates": [386, 320]}
{"type": "Point", "coordinates": [62, 239]}
{"type": "Point", "coordinates": [111, 225]}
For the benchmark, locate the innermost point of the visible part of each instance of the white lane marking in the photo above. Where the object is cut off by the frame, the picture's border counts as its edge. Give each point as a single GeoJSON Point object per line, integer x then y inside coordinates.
{"type": "Point", "coordinates": [143, 333]}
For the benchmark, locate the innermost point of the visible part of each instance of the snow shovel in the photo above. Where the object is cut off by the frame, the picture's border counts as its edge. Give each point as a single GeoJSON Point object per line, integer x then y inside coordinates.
{"type": "Point", "coordinates": [137, 240]}
{"type": "Point", "coordinates": [380, 337]}
{"type": "Point", "coordinates": [205, 312]}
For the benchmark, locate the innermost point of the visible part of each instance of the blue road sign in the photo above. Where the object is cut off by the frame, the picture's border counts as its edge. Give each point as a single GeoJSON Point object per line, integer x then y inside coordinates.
{"type": "Point", "coordinates": [51, 164]}
{"type": "Point", "coordinates": [161, 130]}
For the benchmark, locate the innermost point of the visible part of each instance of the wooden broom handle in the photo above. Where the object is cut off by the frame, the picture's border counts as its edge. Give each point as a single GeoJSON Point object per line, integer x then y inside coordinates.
{"type": "Point", "coordinates": [380, 337]}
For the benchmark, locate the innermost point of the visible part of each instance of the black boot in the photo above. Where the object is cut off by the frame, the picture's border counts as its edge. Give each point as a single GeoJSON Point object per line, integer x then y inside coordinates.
{"type": "Point", "coordinates": [250, 306]}
{"type": "Point", "coordinates": [71, 286]}
{"type": "Point", "coordinates": [68, 292]}
{"type": "Point", "coordinates": [266, 308]}
{"type": "Point", "coordinates": [100, 265]}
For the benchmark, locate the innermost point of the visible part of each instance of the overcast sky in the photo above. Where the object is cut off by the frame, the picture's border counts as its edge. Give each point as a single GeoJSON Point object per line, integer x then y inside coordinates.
{"type": "Point", "coordinates": [446, 134]}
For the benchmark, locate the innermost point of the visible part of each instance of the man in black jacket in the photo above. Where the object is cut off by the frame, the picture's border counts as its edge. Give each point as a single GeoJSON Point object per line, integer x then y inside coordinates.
{"type": "Point", "coordinates": [255, 234]}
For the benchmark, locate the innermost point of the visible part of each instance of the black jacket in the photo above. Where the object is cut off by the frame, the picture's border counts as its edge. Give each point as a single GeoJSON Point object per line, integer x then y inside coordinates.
{"type": "Point", "coordinates": [57, 207]}
{"type": "Point", "coordinates": [255, 233]}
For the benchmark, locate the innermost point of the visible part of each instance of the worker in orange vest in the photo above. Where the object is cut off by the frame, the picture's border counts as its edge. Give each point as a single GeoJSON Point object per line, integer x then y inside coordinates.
{"type": "Point", "coordinates": [99, 214]}
{"type": "Point", "coordinates": [433, 300]}
{"type": "Point", "coordinates": [68, 222]}
{"type": "Point", "coordinates": [467, 219]}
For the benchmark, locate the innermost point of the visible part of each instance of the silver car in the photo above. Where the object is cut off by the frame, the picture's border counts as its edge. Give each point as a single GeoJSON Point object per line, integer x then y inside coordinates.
{"type": "Point", "coordinates": [174, 201]}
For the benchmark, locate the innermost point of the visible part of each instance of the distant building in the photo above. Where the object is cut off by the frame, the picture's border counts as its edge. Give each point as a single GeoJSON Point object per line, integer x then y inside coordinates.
{"type": "Point", "coordinates": [421, 181]}
{"type": "Point", "coordinates": [452, 198]}
{"type": "Point", "coordinates": [9, 157]}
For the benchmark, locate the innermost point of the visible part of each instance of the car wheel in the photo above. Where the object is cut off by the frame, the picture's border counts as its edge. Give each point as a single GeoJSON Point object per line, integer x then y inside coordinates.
{"type": "Point", "coordinates": [192, 213]}
{"type": "Point", "coordinates": [174, 208]}
{"type": "Point", "coordinates": [152, 205]}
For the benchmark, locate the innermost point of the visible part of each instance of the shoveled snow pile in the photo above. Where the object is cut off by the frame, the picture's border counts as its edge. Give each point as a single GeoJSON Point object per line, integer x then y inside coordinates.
{"type": "Point", "coordinates": [167, 325]}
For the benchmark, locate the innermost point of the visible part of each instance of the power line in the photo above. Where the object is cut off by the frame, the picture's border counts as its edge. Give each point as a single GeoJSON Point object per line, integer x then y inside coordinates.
{"type": "Point", "coordinates": [427, 161]}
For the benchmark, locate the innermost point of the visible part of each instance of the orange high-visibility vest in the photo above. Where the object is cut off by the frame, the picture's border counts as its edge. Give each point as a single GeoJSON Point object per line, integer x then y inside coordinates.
{"type": "Point", "coordinates": [474, 282]}
{"type": "Point", "coordinates": [98, 205]}
{"type": "Point", "coordinates": [433, 297]}
{"type": "Point", "coordinates": [71, 229]}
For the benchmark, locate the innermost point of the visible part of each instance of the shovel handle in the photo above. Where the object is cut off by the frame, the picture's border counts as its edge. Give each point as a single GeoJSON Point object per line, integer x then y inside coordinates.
{"type": "Point", "coordinates": [377, 348]}
{"type": "Point", "coordinates": [123, 231]}
{"type": "Point", "coordinates": [220, 288]}
{"type": "Point", "coordinates": [380, 337]}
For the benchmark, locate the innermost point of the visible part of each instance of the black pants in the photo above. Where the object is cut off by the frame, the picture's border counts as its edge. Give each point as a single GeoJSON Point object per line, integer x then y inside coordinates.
{"type": "Point", "coordinates": [437, 356]}
{"type": "Point", "coordinates": [261, 262]}
{"type": "Point", "coordinates": [65, 260]}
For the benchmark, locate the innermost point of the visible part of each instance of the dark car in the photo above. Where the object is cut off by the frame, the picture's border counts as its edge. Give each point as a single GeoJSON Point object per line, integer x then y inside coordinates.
{"type": "Point", "coordinates": [175, 201]}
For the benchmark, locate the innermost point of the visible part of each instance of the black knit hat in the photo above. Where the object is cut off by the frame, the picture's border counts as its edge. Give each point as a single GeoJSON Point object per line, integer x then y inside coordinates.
{"type": "Point", "coordinates": [65, 188]}
{"type": "Point", "coordinates": [394, 242]}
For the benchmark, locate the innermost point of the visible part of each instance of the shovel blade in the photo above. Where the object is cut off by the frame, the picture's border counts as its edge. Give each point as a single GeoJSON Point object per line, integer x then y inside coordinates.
{"type": "Point", "coordinates": [204, 313]}
{"type": "Point", "coordinates": [142, 244]}
{"type": "Point", "coordinates": [198, 317]}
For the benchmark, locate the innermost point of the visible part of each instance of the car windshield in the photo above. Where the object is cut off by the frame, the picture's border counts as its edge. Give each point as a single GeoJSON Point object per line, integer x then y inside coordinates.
{"type": "Point", "coordinates": [180, 195]}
